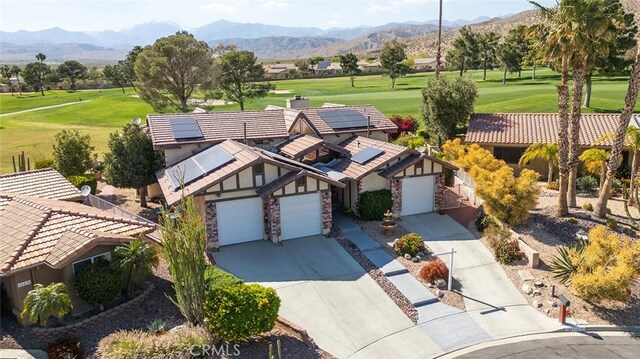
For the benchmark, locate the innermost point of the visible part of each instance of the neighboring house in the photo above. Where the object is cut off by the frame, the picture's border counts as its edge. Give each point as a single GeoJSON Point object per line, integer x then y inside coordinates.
{"type": "Point", "coordinates": [47, 183]}
{"type": "Point", "coordinates": [507, 135]}
{"type": "Point", "coordinates": [45, 240]}
{"type": "Point", "coordinates": [327, 68]}
{"type": "Point", "coordinates": [286, 186]}
{"type": "Point", "coordinates": [374, 67]}
{"type": "Point", "coordinates": [278, 71]}
{"type": "Point", "coordinates": [428, 64]}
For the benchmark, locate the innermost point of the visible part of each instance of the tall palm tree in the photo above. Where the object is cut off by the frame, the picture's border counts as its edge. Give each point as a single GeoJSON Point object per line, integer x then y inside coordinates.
{"type": "Point", "coordinates": [42, 302]}
{"type": "Point", "coordinates": [41, 57]}
{"type": "Point", "coordinates": [15, 71]}
{"type": "Point", "coordinates": [544, 151]}
{"type": "Point", "coordinates": [632, 140]}
{"type": "Point", "coordinates": [618, 142]}
{"type": "Point", "coordinates": [135, 258]}
{"type": "Point", "coordinates": [595, 160]}
{"type": "Point", "coordinates": [554, 42]}
{"type": "Point", "coordinates": [594, 28]}
{"type": "Point", "coordinates": [5, 71]}
{"type": "Point", "coordinates": [439, 49]}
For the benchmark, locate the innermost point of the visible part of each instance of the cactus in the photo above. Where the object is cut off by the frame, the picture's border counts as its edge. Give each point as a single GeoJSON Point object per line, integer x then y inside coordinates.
{"type": "Point", "coordinates": [279, 350]}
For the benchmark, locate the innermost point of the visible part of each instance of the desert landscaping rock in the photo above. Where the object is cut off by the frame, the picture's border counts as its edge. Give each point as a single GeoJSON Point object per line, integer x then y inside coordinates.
{"type": "Point", "coordinates": [536, 304]}
{"type": "Point", "coordinates": [527, 289]}
{"type": "Point", "coordinates": [525, 275]}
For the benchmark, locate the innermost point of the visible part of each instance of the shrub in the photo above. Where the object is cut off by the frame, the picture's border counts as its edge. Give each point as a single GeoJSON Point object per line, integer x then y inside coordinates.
{"type": "Point", "coordinates": [99, 283]}
{"type": "Point", "coordinates": [608, 210]}
{"type": "Point", "coordinates": [612, 223]}
{"type": "Point", "coordinates": [572, 220]}
{"type": "Point", "coordinates": [183, 343]}
{"type": "Point", "coordinates": [44, 163]}
{"type": "Point", "coordinates": [241, 311]}
{"type": "Point", "coordinates": [84, 180]}
{"type": "Point", "coordinates": [217, 278]}
{"type": "Point", "coordinates": [587, 183]}
{"type": "Point", "coordinates": [374, 204]}
{"type": "Point", "coordinates": [410, 244]}
{"type": "Point", "coordinates": [566, 262]}
{"type": "Point", "coordinates": [410, 141]}
{"type": "Point", "coordinates": [554, 186]}
{"type": "Point", "coordinates": [42, 302]}
{"type": "Point", "coordinates": [609, 266]}
{"type": "Point", "coordinates": [623, 171]}
{"type": "Point", "coordinates": [405, 125]}
{"type": "Point", "coordinates": [505, 250]}
{"type": "Point", "coordinates": [65, 348]}
{"type": "Point", "coordinates": [72, 152]}
{"type": "Point", "coordinates": [157, 326]}
{"type": "Point", "coordinates": [433, 270]}
{"type": "Point", "coordinates": [483, 221]}
{"type": "Point", "coordinates": [587, 206]}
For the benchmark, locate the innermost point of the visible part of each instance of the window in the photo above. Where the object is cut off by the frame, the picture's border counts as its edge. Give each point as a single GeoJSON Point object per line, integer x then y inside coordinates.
{"type": "Point", "coordinates": [300, 182]}
{"type": "Point", "coordinates": [510, 155]}
{"type": "Point", "coordinates": [77, 266]}
{"type": "Point", "coordinates": [258, 169]}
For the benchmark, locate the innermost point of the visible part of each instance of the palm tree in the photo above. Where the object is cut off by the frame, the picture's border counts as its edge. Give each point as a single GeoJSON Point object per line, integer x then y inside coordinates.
{"type": "Point", "coordinates": [595, 160]}
{"type": "Point", "coordinates": [543, 151]}
{"type": "Point", "coordinates": [135, 258]}
{"type": "Point", "coordinates": [5, 71]}
{"type": "Point", "coordinates": [593, 30]}
{"type": "Point", "coordinates": [439, 49]}
{"type": "Point", "coordinates": [618, 142]}
{"type": "Point", "coordinates": [16, 70]}
{"type": "Point", "coordinates": [41, 57]}
{"type": "Point", "coordinates": [42, 302]}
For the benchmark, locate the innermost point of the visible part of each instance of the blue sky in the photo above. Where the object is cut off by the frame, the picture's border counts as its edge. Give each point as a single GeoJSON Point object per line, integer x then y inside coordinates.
{"type": "Point", "coordinates": [93, 15]}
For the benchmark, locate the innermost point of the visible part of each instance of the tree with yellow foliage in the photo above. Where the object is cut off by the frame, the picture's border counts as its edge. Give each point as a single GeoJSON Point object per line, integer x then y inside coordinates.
{"type": "Point", "coordinates": [506, 197]}
{"type": "Point", "coordinates": [609, 264]}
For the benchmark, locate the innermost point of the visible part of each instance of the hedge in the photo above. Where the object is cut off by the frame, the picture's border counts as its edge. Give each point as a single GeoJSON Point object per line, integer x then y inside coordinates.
{"type": "Point", "coordinates": [238, 312]}
{"type": "Point", "coordinates": [374, 204]}
{"type": "Point", "coordinates": [99, 282]}
{"type": "Point", "coordinates": [82, 180]}
{"type": "Point", "coordinates": [44, 163]}
{"type": "Point", "coordinates": [217, 278]}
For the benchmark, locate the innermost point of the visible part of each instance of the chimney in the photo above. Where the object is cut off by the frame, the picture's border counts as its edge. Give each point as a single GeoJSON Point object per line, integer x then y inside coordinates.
{"type": "Point", "coordinates": [297, 102]}
{"type": "Point", "coordinates": [244, 125]}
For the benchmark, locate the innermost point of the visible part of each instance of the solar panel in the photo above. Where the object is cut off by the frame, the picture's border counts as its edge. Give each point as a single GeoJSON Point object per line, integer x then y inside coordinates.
{"type": "Point", "coordinates": [323, 65]}
{"type": "Point", "coordinates": [343, 118]}
{"type": "Point", "coordinates": [185, 128]}
{"type": "Point", "coordinates": [198, 165]}
{"type": "Point", "coordinates": [366, 154]}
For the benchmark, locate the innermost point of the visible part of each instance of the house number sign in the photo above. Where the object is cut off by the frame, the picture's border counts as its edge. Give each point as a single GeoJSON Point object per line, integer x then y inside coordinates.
{"type": "Point", "coordinates": [24, 284]}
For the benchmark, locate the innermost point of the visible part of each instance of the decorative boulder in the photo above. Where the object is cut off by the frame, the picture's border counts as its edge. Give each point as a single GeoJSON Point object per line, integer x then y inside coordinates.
{"type": "Point", "coordinates": [527, 289]}
{"type": "Point", "coordinates": [536, 304]}
{"type": "Point", "coordinates": [440, 283]}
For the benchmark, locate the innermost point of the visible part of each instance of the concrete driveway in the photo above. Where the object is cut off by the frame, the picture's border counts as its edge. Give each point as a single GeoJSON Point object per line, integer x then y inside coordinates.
{"type": "Point", "coordinates": [328, 293]}
{"type": "Point", "coordinates": [490, 297]}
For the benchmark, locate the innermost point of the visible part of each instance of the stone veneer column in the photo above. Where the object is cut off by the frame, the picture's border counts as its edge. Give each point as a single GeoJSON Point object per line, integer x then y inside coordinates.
{"type": "Point", "coordinates": [440, 190]}
{"type": "Point", "coordinates": [211, 220]}
{"type": "Point", "coordinates": [396, 195]}
{"type": "Point", "coordinates": [326, 212]}
{"type": "Point", "coordinates": [274, 220]}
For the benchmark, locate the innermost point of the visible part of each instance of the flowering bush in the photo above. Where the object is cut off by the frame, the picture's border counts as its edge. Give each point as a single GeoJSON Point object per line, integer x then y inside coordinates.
{"type": "Point", "coordinates": [405, 125]}
{"type": "Point", "coordinates": [410, 244]}
{"type": "Point", "coordinates": [433, 270]}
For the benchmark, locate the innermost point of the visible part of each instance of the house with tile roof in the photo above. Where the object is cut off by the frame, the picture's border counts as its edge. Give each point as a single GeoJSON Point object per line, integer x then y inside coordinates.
{"type": "Point", "coordinates": [47, 183]}
{"type": "Point", "coordinates": [46, 240]}
{"type": "Point", "coordinates": [507, 135]}
{"type": "Point", "coordinates": [308, 162]}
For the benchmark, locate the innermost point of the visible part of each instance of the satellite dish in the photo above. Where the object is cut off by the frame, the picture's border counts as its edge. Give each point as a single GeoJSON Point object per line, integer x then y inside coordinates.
{"type": "Point", "coordinates": [85, 190]}
{"type": "Point", "coordinates": [136, 121]}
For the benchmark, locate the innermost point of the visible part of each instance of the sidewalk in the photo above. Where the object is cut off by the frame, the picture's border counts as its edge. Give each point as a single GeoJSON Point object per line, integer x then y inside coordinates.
{"type": "Point", "coordinates": [448, 327]}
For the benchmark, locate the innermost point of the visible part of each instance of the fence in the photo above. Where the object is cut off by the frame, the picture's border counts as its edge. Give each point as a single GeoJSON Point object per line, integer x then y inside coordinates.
{"type": "Point", "coordinates": [107, 206]}
{"type": "Point", "coordinates": [465, 187]}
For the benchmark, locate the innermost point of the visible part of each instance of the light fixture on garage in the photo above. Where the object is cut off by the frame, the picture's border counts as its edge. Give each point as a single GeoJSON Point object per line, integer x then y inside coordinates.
{"type": "Point", "coordinates": [218, 194]}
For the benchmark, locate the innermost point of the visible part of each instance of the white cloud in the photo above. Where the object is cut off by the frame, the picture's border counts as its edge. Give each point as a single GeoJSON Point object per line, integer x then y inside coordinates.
{"type": "Point", "coordinates": [336, 20]}
{"type": "Point", "coordinates": [394, 5]}
{"type": "Point", "coordinates": [220, 7]}
{"type": "Point", "coordinates": [275, 5]}
{"type": "Point", "coordinates": [373, 7]}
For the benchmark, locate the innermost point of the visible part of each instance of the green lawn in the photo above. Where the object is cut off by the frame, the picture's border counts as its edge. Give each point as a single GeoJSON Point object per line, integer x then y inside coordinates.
{"type": "Point", "coordinates": [108, 110]}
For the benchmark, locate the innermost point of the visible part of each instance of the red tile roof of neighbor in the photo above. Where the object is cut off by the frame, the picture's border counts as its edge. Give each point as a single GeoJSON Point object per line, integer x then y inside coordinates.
{"type": "Point", "coordinates": [47, 183]}
{"type": "Point", "coordinates": [529, 128]}
{"type": "Point", "coordinates": [355, 144]}
{"type": "Point", "coordinates": [37, 230]}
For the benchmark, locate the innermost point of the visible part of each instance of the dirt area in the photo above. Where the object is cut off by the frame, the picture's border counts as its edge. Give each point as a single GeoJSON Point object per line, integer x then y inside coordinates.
{"type": "Point", "coordinates": [158, 306]}
{"type": "Point", "coordinates": [544, 232]}
{"type": "Point", "coordinates": [374, 230]}
{"type": "Point", "coordinates": [126, 199]}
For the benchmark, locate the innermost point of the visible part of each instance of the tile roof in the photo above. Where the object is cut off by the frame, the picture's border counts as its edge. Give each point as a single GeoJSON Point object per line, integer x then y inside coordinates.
{"type": "Point", "coordinates": [355, 144]}
{"type": "Point", "coordinates": [47, 183]}
{"type": "Point", "coordinates": [36, 230]}
{"type": "Point", "coordinates": [530, 128]}
{"type": "Point", "coordinates": [219, 126]}
{"type": "Point", "coordinates": [299, 146]}
{"type": "Point", "coordinates": [290, 177]}
{"type": "Point", "coordinates": [378, 120]}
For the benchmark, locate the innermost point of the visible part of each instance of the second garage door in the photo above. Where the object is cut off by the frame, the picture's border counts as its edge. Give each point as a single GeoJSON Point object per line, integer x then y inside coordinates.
{"type": "Point", "coordinates": [240, 221]}
{"type": "Point", "coordinates": [301, 216]}
{"type": "Point", "coordinates": [417, 195]}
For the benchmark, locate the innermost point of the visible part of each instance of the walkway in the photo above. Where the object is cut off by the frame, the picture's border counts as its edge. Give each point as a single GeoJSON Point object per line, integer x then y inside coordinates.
{"type": "Point", "coordinates": [44, 108]}
{"type": "Point", "coordinates": [491, 300]}
{"type": "Point", "coordinates": [448, 327]}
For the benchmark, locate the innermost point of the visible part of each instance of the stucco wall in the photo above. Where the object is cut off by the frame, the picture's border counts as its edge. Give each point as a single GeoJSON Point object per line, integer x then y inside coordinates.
{"type": "Point", "coordinates": [374, 182]}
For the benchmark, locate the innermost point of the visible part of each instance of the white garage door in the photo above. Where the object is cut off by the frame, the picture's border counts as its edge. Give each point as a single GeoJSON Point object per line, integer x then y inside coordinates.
{"type": "Point", "coordinates": [240, 221]}
{"type": "Point", "coordinates": [417, 195]}
{"type": "Point", "coordinates": [301, 216]}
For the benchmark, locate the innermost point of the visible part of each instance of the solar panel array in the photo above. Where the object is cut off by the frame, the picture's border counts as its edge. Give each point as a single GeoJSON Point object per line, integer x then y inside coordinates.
{"type": "Point", "coordinates": [323, 65]}
{"type": "Point", "coordinates": [344, 118]}
{"type": "Point", "coordinates": [185, 128]}
{"type": "Point", "coordinates": [366, 154]}
{"type": "Point", "coordinates": [198, 166]}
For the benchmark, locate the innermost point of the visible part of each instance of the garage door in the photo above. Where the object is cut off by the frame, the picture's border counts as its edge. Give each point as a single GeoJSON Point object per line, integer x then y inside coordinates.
{"type": "Point", "coordinates": [417, 195]}
{"type": "Point", "coordinates": [240, 221]}
{"type": "Point", "coordinates": [301, 216]}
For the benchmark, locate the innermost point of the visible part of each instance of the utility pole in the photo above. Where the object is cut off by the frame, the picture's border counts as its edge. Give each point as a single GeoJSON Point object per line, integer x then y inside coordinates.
{"type": "Point", "coordinates": [439, 50]}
